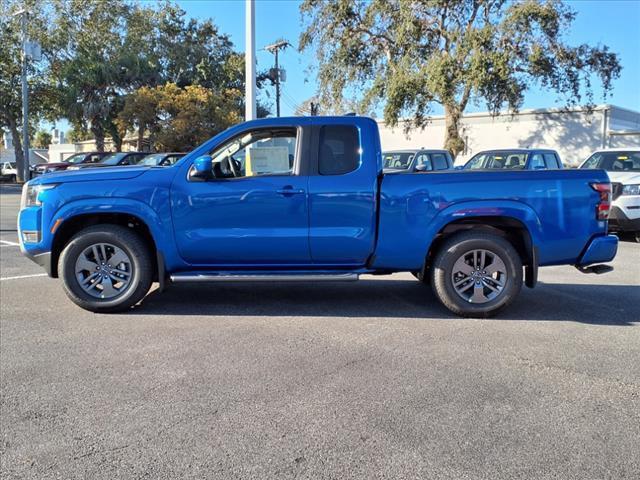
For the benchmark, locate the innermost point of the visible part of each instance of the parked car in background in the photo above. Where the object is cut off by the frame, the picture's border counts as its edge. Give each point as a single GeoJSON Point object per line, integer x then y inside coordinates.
{"type": "Point", "coordinates": [418, 160]}
{"type": "Point", "coordinates": [8, 171]}
{"type": "Point", "coordinates": [82, 158]}
{"type": "Point", "coordinates": [161, 159]}
{"type": "Point", "coordinates": [623, 168]}
{"type": "Point", "coordinates": [515, 159]}
{"type": "Point", "coordinates": [306, 199]}
{"type": "Point", "coordinates": [114, 160]}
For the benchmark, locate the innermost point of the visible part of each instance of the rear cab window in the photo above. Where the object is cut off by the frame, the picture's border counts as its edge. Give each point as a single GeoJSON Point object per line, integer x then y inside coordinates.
{"type": "Point", "coordinates": [339, 149]}
{"type": "Point", "coordinates": [551, 160]}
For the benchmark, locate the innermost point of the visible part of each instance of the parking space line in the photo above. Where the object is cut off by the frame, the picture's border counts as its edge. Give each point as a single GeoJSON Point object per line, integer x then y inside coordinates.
{"type": "Point", "coordinates": [23, 276]}
{"type": "Point", "coordinates": [8, 243]}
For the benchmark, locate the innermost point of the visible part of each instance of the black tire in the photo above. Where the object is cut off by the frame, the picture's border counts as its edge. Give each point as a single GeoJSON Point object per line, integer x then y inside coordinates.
{"type": "Point", "coordinates": [420, 276]}
{"type": "Point", "coordinates": [133, 246]}
{"type": "Point", "coordinates": [456, 247]}
{"type": "Point", "coordinates": [12, 179]}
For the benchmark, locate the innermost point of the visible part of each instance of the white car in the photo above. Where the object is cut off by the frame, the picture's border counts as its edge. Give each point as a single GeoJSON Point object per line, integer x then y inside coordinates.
{"type": "Point", "coordinates": [8, 169]}
{"type": "Point", "coordinates": [623, 167]}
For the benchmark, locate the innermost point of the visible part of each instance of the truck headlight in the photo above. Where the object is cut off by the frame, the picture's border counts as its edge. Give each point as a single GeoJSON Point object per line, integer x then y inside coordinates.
{"type": "Point", "coordinates": [31, 194]}
{"type": "Point", "coordinates": [633, 189]}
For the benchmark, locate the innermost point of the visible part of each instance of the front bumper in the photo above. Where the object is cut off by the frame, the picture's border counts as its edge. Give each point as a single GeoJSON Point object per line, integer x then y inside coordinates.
{"type": "Point", "coordinates": [30, 220]}
{"type": "Point", "coordinates": [42, 259]}
{"type": "Point", "coordinates": [599, 250]}
{"type": "Point", "coordinates": [620, 222]}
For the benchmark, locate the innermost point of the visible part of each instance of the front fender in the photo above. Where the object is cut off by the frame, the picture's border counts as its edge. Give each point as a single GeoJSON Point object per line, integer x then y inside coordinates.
{"type": "Point", "coordinates": [159, 224]}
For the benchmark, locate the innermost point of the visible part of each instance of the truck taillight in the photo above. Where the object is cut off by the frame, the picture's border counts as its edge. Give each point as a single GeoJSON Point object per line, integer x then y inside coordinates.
{"type": "Point", "coordinates": [604, 205]}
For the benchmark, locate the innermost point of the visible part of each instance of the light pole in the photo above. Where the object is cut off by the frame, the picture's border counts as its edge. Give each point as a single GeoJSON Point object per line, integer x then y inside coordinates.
{"type": "Point", "coordinates": [250, 61]}
{"type": "Point", "coordinates": [275, 48]}
{"type": "Point", "coordinates": [24, 174]}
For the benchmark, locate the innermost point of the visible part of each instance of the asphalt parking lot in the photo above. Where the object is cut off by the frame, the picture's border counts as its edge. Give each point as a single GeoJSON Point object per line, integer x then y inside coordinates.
{"type": "Point", "coordinates": [366, 380]}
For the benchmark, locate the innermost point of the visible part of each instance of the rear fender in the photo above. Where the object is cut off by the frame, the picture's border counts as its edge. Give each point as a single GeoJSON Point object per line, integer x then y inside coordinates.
{"type": "Point", "coordinates": [409, 250]}
{"type": "Point", "coordinates": [468, 210]}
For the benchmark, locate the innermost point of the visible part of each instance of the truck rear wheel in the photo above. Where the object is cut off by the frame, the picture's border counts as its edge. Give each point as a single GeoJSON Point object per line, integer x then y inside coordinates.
{"type": "Point", "coordinates": [475, 274]}
{"type": "Point", "coordinates": [106, 268]}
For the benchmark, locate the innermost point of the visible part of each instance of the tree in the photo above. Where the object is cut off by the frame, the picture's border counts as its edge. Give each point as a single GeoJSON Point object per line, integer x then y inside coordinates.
{"type": "Point", "coordinates": [108, 52]}
{"type": "Point", "coordinates": [114, 48]}
{"type": "Point", "coordinates": [78, 134]}
{"type": "Point", "coordinates": [42, 139]}
{"type": "Point", "coordinates": [41, 91]}
{"type": "Point", "coordinates": [412, 55]}
{"type": "Point", "coordinates": [178, 119]}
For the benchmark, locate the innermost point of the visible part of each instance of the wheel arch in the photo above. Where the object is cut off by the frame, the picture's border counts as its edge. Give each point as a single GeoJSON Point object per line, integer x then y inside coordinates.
{"type": "Point", "coordinates": [74, 224]}
{"type": "Point", "coordinates": [513, 229]}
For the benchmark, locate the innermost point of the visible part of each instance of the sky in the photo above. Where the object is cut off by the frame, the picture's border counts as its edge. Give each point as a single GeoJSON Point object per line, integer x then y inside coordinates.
{"type": "Point", "coordinates": [615, 23]}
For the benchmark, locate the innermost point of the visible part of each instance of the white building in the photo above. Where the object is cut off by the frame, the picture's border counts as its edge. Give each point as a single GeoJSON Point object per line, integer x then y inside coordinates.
{"type": "Point", "coordinates": [574, 133]}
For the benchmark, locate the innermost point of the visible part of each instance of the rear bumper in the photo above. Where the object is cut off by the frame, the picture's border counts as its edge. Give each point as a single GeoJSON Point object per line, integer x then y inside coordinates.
{"type": "Point", "coordinates": [620, 222]}
{"type": "Point", "coordinates": [599, 250]}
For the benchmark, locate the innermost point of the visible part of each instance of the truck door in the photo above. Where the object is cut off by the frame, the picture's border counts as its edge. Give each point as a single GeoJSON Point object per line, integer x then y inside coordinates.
{"type": "Point", "coordinates": [255, 211]}
{"type": "Point", "coordinates": [342, 193]}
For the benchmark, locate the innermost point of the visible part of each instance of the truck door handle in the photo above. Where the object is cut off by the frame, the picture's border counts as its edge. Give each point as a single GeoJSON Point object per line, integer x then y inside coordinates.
{"type": "Point", "coordinates": [289, 190]}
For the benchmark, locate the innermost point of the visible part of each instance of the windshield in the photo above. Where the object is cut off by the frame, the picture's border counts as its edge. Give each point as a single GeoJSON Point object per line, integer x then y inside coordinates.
{"type": "Point", "coordinates": [77, 158]}
{"type": "Point", "coordinates": [397, 159]}
{"type": "Point", "coordinates": [614, 161]}
{"type": "Point", "coordinates": [497, 161]}
{"type": "Point", "coordinates": [113, 159]}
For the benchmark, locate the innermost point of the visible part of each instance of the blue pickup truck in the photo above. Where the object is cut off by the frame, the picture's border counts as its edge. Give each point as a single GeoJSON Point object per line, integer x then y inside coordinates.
{"type": "Point", "coordinates": [306, 199]}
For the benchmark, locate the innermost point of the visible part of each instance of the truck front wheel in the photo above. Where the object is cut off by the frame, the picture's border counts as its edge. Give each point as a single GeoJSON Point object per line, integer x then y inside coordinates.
{"type": "Point", "coordinates": [106, 268]}
{"type": "Point", "coordinates": [475, 274]}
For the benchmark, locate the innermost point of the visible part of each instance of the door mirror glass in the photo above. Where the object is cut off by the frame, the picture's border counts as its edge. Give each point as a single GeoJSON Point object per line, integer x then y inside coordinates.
{"type": "Point", "coordinates": [421, 167]}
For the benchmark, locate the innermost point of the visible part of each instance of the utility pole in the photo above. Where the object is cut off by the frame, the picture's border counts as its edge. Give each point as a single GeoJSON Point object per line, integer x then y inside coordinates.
{"type": "Point", "coordinates": [275, 72]}
{"type": "Point", "coordinates": [250, 61]}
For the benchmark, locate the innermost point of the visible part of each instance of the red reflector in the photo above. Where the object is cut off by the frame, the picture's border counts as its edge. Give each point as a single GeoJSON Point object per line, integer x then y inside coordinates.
{"type": "Point", "coordinates": [604, 205]}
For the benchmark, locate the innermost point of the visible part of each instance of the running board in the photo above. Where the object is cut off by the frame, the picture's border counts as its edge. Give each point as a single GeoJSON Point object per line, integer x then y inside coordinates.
{"type": "Point", "coordinates": [263, 277]}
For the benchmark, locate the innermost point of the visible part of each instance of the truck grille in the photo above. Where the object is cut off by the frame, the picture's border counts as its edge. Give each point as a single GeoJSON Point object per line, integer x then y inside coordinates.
{"type": "Point", "coordinates": [616, 190]}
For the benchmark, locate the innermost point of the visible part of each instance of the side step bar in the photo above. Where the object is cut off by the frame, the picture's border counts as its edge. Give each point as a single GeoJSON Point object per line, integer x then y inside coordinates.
{"type": "Point", "coordinates": [264, 277]}
{"type": "Point", "coordinates": [597, 269]}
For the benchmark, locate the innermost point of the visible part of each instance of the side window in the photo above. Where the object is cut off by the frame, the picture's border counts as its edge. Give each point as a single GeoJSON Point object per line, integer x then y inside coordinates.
{"type": "Point", "coordinates": [537, 162]}
{"type": "Point", "coordinates": [551, 161]}
{"type": "Point", "coordinates": [423, 159]}
{"type": "Point", "coordinates": [439, 161]}
{"type": "Point", "coordinates": [339, 150]}
{"type": "Point", "coordinates": [254, 153]}
{"type": "Point", "coordinates": [477, 162]}
{"type": "Point", "coordinates": [592, 161]}
{"type": "Point", "coordinates": [95, 158]}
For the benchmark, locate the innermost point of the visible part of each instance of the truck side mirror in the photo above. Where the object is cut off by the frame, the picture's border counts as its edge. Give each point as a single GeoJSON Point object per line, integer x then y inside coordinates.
{"type": "Point", "coordinates": [201, 168]}
{"type": "Point", "coordinates": [421, 168]}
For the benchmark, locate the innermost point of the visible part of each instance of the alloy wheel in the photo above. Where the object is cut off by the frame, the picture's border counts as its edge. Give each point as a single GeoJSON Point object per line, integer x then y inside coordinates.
{"type": "Point", "coordinates": [479, 276]}
{"type": "Point", "coordinates": [104, 270]}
